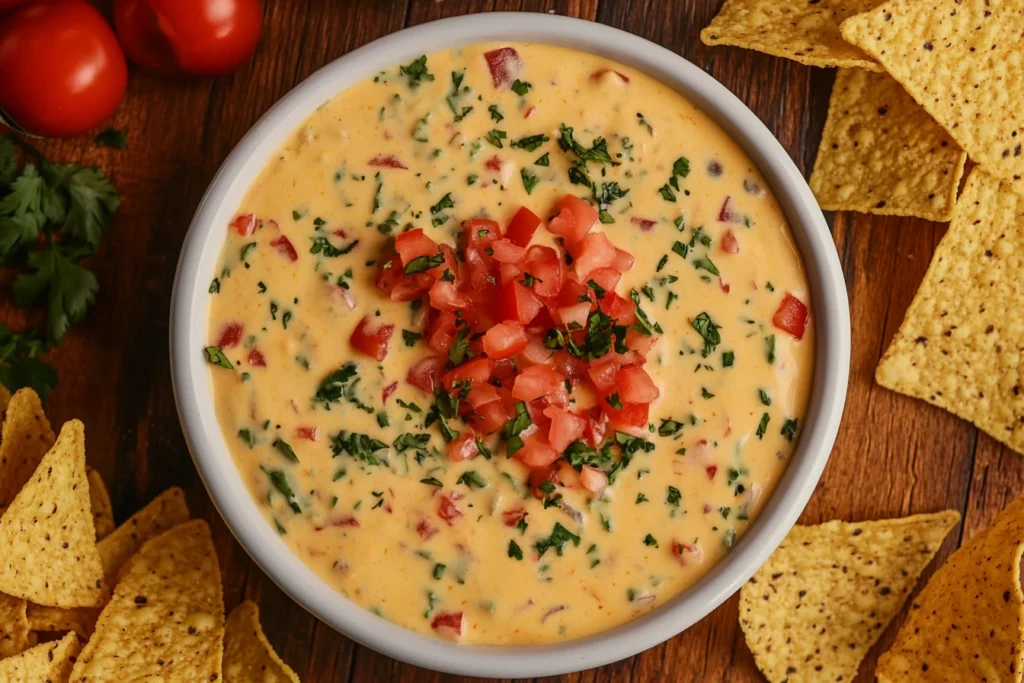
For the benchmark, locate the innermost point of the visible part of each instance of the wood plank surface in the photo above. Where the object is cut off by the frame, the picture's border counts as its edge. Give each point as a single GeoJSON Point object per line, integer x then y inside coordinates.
{"type": "Point", "coordinates": [894, 455]}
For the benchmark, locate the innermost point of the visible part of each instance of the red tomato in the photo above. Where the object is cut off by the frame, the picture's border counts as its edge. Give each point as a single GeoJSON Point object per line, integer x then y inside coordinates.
{"type": "Point", "coordinates": [593, 479]}
{"type": "Point", "coordinates": [481, 395]}
{"type": "Point", "coordinates": [571, 293]}
{"type": "Point", "coordinates": [441, 332]}
{"type": "Point", "coordinates": [386, 392]}
{"type": "Point", "coordinates": [505, 339]}
{"type": "Point", "coordinates": [597, 425]}
{"type": "Point", "coordinates": [639, 342]}
{"type": "Point", "coordinates": [8, 5]}
{"type": "Point", "coordinates": [448, 510]}
{"type": "Point", "coordinates": [536, 452]}
{"type": "Point", "coordinates": [230, 335]}
{"type": "Point", "coordinates": [509, 273]}
{"type": "Point", "coordinates": [244, 224]}
{"type": "Point", "coordinates": [426, 374]}
{"type": "Point", "coordinates": [602, 374]}
{"type": "Point", "coordinates": [463, 448]}
{"type": "Point", "coordinates": [256, 359]}
{"type": "Point", "coordinates": [516, 302]}
{"type": "Point", "coordinates": [480, 232]}
{"type": "Point", "coordinates": [387, 161]}
{"type": "Point", "coordinates": [595, 251]}
{"type": "Point", "coordinates": [372, 338]}
{"type": "Point", "coordinates": [445, 297]}
{"type": "Point", "coordinates": [730, 245]}
{"type": "Point", "coordinates": [729, 213]}
{"type": "Point", "coordinates": [622, 310]}
{"type": "Point", "coordinates": [476, 371]}
{"type": "Point", "coordinates": [199, 37]}
{"type": "Point", "coordinates": [636, 386]}
{"type": "Point", "coordinates": [584, 213]}
{"type": "Point", "coordinates": [606, 278]}
{"type": "Point", "coordinates": [307, 433]}
{"type": "Point", "coordinates": [505, 64]}
{"type": "Point", "coordinates": [524, 224]}
{"type": "Point", "coordinates": [61, 69]}
{"type": "Point", "coordinates": [490, 417]}
{"type": "Point", "coordinates": [283, 245]}
{"type": "Point", "coordinates": [791, 316]}
{"type": "Point", "coordinates": [631, 415]}
{"type": "Point", "coordinates": [409, 287]}
{"type": "Point", "coordinates": [574, 317]}
{"type": "Point", "coordinates": [565, 428]}
{"type": "Point", "coordinates": [452, 622]}
{"type": "Point", "coordinates": [505, 251]}
{"type": "Point", "coordinates": [511, 517]}
{"type": "Point", "coordinates": [564, 225]}
{"type": "Point", "coordinates": [623, 260]}
{"type": "Point", "coordinates": [412, 244]}
{"type": "Point", "coordinates": [569, 365]}
{"type": "Point", "coordinates": [540, 475]}
{"type": "Point", "coordinates": [537, 381]}
{"type": "Point", "coordinates": [545, 266]}
{"type": "Point", "coordinates": [535, 353]}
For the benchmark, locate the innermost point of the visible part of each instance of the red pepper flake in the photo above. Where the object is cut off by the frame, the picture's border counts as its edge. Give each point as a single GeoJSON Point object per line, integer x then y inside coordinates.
{"type": "Point", "coordinates": [712, 470]}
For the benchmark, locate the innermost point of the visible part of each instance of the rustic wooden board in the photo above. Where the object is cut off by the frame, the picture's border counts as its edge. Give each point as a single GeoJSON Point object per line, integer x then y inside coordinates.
{"type": "Point", "coordinates": [894, 455]}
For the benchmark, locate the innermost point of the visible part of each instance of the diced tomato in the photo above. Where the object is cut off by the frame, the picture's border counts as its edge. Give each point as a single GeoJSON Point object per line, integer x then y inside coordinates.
{"type": "Point", "coordinates": [493, 164]}
{"type": "Point", "coordinates": [505, 251]}
{"type": "Point", "coordinates": [645, 224]}
{"type": "Point", "coordinates": [444, 296]}
{"type": "Point", "coordinates": [512, 516]}
{"type": "Point", "coordinates": [426, 374]}
{"type": "Point", "coordinates": [482, 280]}
{"type": "Point", "coordinates": [524, 224]}
{"type": "Point", "coordinates": [307, 433]}
{"type": "Point", "coordinates": [791, 316]}
{"type": "Point", "coordinates": [509, 273]}
{"type": "Point", "coordinates": [453, 622]}
{"type": "Point", "coordinates": [538, 476]}
{"type": "Point", "coordinates": [450, 264]}
{"type": "Point", "coordinates": [565, 428]}
{"type": "Point", "coordinates": [389, 270]}
{"type": "Point", "coordinates": [606, 278]}
{"type": "Point", "coordinates": [595, 251]}
{"type": "Point", "coordinates": [571, 293]}
{"type": "Point", "coordinates": [342, 521]}
{"type": "Point", "coordinates": [516, 302]}
{"type": "Point", "coordinates": [711, 471]}
{"type": "Point", "coordinates": [729, 213]}
{"type": "Point", "coordinates": [387, 161]}
{"type": "Point", "coordinates": [490, 417]}
{"type": "Point", "coordinates": [371, 337]}
{"type": "Point", "coordinates": [545, 266]}
{"type": "Point", "coordinates": [602, 373]}
{"type": "Point", "coordinates": [505, 339]}
{"type": "Point", "coordinates": [244, 224]}
{"type": "Point", "coordinates": [230, 335]}
{"type": "Point", "coordinates": [448, 510]}
{"type": "Point", "coordinates": [412, 244]}
{"type": "Point", "coordinates": [623, 260]}
{"type": "Point", "coordinates": [631, 415]}
{"type": "Point", "coordinates": [426, 530]}
{"type": "Point", "coordinates": [620, 309]}
{"type": "Point", "coordinates": [563, 224]}
{"type": "Point", "coordinates": [440, 330]}
{"type": "Point", "coordinates": [476, 371]}
{"type": "Point", "coordinates": [387, 391]}
{"type": "Point", "coordinates": [535, 353]}
{"type": "Point", "coordinates": [537, 381]}
{"type": "Point", "coordinates": [584, 214]}
{"type": "Point", "coordinates": [684, 553]}
{"type": "Point", "coordinates": [569, 365]}
{"type": "Point", "coordinates": [256, 359]}
{"type": "Point", "coordinates": [536, 452]}
{"type": "Point", "coordinates": [480, 232]}
{"type": "Point", "coordinates": [284, 247]}
{"type": "Point", "coordinates": [636, 386]}
{"type": "Point", "coordinates": [730, 245]}
{"type": "Point", "coordinates": [597, 425]}
{"type": "Point", "coordinates": [409, 287]}
{"type": "Point", "coordinates": [574, 317]}
{"type": "Point", "coordinates": [463, 447]}
{"type": "Point", "coordinates": [505, 66]}
{"type": "Point", "coordinates": [481, 395]}
{"type": "Point", "coordinates": [639, 342]}
{"type": "Point", "coordinates": [593, 479]}
{"type": "Point", "coordinates": [543, 322]}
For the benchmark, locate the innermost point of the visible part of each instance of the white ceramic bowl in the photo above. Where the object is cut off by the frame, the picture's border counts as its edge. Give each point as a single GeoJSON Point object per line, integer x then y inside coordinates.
{"type": "Point", "coordinates": [190, 309]}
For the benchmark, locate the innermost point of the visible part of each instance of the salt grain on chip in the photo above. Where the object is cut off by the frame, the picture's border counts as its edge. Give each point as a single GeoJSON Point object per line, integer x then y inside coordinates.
{"type": "Point", "coordinates": [882, 153]}
{"type": "Point", "coordinates": [961, 60]}
{"type": "Point", "coordinates": [961, 343]}
{"type": "Point", "coordinates": [24, 440]}
{"type": "Point", "coordinates": [248, 655]}
{"type": "Point", "coordinates": [967, 624]}
{"type": "Point", "coordinates": [46, 663]}
{"type": "Point", "coordinates": [47, 534]}
{"type": "Point", "coordinates": [165, 620]}
{"type": "Point", "coordinates": [802, 30]}
{"type": "Point", "coordinates": [825, 596]}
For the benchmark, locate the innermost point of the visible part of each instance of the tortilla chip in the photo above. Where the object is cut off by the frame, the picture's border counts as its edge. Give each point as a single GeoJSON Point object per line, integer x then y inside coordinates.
{"type": "Point", "coordinates": [248, 656]}
{"type": "Point", "coordinates": [959, 344]}
{"type": "Point", "coordinates": [24, 440]}
{"type": "Point", "coordinates": [14, 627]}
{"type": "Point", "coordinates": [99, 503]}
{"type": "Point", "coordinates": [49, 542]}
{"type": "Point", "coordinates": [960, 59]}
{"type": "Point", "coordinates": [46, 663]}
{"type": "Point", "coordinates": [81, 620]}
{"type": "Point", "coordinates": [5, 398]}
{"type": "Point", "coordinates": [166, 618]}
{"type": "Point", "coordinates": [804, 31]}
{"type": "Point", "coordinates": [825, 596]}
{"type": "Point", "coordinates": [975, 595]}
{"type": "Point", "coordinates": [882, 153]}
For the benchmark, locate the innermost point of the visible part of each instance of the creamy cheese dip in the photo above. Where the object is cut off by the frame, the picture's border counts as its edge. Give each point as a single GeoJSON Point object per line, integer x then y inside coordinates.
{"type": "Point", "coordinates": [348, 459]}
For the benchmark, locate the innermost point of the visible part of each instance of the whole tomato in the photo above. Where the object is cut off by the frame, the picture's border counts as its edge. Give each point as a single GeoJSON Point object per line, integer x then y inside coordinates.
{"type": "Point", "coordinates": [198, 37]}
{"type": "Point", "coordinates": [8, 5]}
{"type": "Point", "coordinates": [61, 69]}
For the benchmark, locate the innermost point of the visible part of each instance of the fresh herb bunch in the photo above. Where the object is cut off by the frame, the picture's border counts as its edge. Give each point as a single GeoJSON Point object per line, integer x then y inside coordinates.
{"type": "Point", "coordinates": [52, 216]}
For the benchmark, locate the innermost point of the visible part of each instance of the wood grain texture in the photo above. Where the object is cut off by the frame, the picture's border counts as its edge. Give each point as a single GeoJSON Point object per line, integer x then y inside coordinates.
{"type": "Point", "coordinates": [894, 455]}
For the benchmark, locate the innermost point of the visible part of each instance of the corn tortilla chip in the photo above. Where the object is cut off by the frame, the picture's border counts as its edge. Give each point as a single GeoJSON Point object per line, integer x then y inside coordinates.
{"type": "Point", "coordinates": [801, 30]}
{"type": "Point", "coordinates": [46, 663]}
{"type": "Point", "coordinates": [166, 617]}
{"type": "Point", "coordinates": [24, 440]}
{"type": "Point", "coordinates": [49, 542]}
{"type": "Point", "coordinates": [99, 503]}
{"type": "Point", "coordinates": [960, 59]}
{"type": "Point", "coordinates": [5, 398]}
{"type": "Point", "coordinates": [825, 596]}
{"type": "Point", "coordinates": [14, 627]}
{"type": "Point", "coordinates": [960, 344]}
{"type": "Point", "coordinates": [248, 656]}
{"type": "Point", "coordinates": [81, 620]}
{"type": "Point", "coordinates": [967, 623]}
{"type": "Point", "coordinates": [882, 153]}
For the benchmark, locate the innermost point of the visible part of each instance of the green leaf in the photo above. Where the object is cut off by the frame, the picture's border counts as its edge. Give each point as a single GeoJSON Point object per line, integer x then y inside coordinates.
{"type": "Point", "coordinates": [8, 164]}
{"type": "Point", "coordinates": [285, 449]}
{"type": "Point", "coordinates": [93, 203]}
{"type": "Point", "coordinates": [215, 356]}
{"type": "Point", "coordinates": [20, 365]}
{"type": "Point", "coordinates": [25, 194]}
{"type": "Point", "coordinates": [18, 231]}
{"type": "Point", "coordinates": [68, 288]}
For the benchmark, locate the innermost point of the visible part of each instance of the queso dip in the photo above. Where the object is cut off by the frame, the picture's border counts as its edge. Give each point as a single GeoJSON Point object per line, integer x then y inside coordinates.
{"type": "Point", "coordinates": [510, 343]}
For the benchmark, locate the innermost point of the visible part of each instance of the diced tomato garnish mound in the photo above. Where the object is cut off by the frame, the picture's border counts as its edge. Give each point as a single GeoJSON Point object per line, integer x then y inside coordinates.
{"type": "Point", "coordinates": [447, 510]}
{"type": "Point", "coordinates": [244, 224]}
{"type": "Point", "coordinates": [284, 247]}
{"type": "Point", "coordinates": [372, 338]}
{"type": "Point", "coordinates": [791, 316]}
{"type": "Point", "coordinates": [230, 335]}
{"type": "Point", "coordinates": [505, 66]}
{"type": "Point", "coordinates": [387, 161]}
{"type": "Point", "coordinates": [729, 213]}
{"type": "Point", "coordinates": [453, 622]}
{"type": "Point", "coordinates": [524, 224]}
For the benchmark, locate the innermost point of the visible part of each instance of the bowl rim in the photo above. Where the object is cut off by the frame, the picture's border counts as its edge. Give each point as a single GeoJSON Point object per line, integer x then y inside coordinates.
{"type": "Point", "coordinates": [193, 396]}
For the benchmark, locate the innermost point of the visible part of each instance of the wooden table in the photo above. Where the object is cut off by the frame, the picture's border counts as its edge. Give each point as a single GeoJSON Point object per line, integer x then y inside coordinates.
{"type": "Point", "coordinates": [894, 456]}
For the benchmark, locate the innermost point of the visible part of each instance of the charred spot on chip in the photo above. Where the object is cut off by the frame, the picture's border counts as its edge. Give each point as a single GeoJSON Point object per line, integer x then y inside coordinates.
{"type": "Point", "coordinates": [140, 600]}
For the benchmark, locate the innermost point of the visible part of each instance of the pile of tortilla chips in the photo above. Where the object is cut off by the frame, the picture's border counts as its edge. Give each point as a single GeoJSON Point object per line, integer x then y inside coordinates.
{"type": "Point", "coordinates": [139, 601]}
{"type": "Point", "coordinates": [923, 85]}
